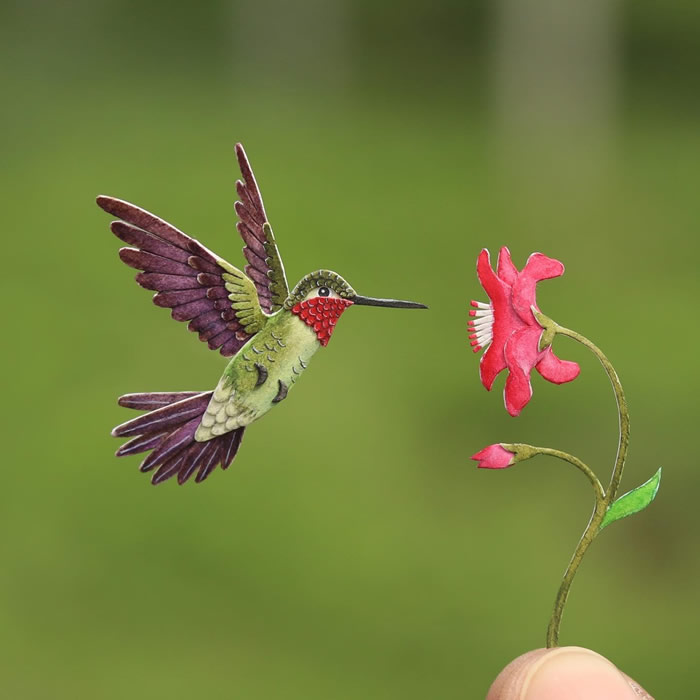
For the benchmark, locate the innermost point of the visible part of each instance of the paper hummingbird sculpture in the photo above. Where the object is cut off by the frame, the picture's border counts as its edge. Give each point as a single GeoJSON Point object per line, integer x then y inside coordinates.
{"type": "Point", "coordinates": [518, 337]}
{"type": "Point", "coordinates": [269, 332]}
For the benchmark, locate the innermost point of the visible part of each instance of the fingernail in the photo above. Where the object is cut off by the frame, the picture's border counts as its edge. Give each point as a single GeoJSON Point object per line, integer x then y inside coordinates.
{"type": "Point", "coordinates": [574, 673]}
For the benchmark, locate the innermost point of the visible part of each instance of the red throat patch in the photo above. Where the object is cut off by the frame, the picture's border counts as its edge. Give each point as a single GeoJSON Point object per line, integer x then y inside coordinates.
{"type": "Point", "coordinates": [321, 313]}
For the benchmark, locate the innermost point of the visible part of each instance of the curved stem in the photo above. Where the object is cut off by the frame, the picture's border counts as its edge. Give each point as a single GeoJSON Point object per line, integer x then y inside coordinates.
{"type": "Point", "coordinates": [602, 504]}
{"type": "Point", "coordinates": [622, 411]}
{"type": "Point", "coordinates": [588, 536]}
{"type": "Point", "coordinates": [590, 475]}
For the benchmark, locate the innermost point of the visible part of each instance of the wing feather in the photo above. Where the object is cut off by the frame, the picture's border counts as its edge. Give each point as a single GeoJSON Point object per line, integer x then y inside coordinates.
{"type": "Point", "coordinates": [226, 347]}
{"type": "Point", "coordinates": [160, 282]}
{"type": "Point", "coordinates": [215, 328]}
{"type": "Point", "coordinates": [144, 220]}
{"type": "Point", "coordinates": [133, 257]}
{"type": "Point", "coordinates": [203, 322]}
{"type": "Point", "coordinates": [264, 266]}
{"type": "Point", "coordinates": [188, 278]}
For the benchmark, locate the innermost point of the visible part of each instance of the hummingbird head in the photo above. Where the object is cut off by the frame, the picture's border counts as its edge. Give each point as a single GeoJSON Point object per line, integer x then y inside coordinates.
{"type": "Point", "coordinates": [320, 298]}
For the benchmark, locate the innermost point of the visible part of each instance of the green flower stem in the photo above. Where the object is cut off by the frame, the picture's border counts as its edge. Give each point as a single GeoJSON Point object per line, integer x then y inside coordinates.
{"type": "Point", "coordinates": [623, 413]}
{"type": "Point", "coordinates": [597, 486]}
{"type": "Point", "coordinates": [589, 534]}
{"type": "Point", "coordinates": [602, 504]}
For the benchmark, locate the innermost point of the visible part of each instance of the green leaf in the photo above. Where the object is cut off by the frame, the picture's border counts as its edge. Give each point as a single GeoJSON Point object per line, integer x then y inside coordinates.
{"type": "Point", "coordinates": [633, 501]}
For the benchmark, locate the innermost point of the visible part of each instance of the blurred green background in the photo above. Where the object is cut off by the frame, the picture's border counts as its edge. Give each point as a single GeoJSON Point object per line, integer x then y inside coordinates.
{"type": "Point", "coordinates": [353, 551]}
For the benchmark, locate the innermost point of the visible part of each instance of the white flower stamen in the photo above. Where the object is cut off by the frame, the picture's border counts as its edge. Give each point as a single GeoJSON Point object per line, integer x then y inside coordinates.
{"type": "Point", "coordinates": [481, 325]}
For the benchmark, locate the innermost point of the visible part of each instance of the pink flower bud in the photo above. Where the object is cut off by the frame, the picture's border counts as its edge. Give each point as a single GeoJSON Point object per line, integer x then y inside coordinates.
{"type": "Point", "coordinates": [494, 457]}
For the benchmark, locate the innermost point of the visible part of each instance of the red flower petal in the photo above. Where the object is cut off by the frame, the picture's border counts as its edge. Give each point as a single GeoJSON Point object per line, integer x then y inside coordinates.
{"type": "Point", "coordinates": [505, 321]}
{"type": "Point", "coordinates": [506, 269]}
{"type": "Point", "coordinates": [497, 290]}
{"type": "Point", "coordinates": [556, 370]}
{"type": "Point", "coordinates": [521, 353]}
{"type": "Point", "coordinates": [538, 267]}
{"type": "Point", "coordinates": [492, 362]}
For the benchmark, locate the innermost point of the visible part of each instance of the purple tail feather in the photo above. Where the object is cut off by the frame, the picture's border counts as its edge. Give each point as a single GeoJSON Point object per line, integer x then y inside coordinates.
{"type": "Point", "coordinates": [168, 430]}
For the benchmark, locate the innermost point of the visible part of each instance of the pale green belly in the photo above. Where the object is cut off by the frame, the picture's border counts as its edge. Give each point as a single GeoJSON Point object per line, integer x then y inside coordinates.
{"type": "Point", "coordinates": [259, 376]}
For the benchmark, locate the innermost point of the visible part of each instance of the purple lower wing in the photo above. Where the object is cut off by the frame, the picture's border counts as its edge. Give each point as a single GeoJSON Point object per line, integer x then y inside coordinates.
{"type": "Point", "coordinates": [170, 468]}
{"type": "Point", "coordinates": [176, 441]}
{"type": "Point", "coordinates": [169, 430]}
{"type": "Point", "coordinates": [164, 418]}
{"type": "Point", "coordinates": [192, 463]}
{"type": "Point", "coordinates": [231, 447]}
{"type": "Point", "coordinates": [208, 464]}
{"type": "Point", "coordinates": [151, 401]}
{"type": "Point", "coordinates": [142, 443]}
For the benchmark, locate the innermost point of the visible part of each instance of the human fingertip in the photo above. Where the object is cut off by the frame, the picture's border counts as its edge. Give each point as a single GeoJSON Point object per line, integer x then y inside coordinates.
{"type": "Point", "coordinates": [564, 673]}
{"type": "Point", "coordinates": [509, 682]}
{"type": "Point", "coordinates": [575, 673]}
{"type": "Point", "coordinates": [641, 694]}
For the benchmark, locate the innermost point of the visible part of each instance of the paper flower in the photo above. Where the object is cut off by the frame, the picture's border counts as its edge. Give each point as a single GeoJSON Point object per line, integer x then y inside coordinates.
{"type": "Point", "coordinates": [508, 330]}
{"type": "Point", "coordinates": [518, 337]}
{"type": "Point", "coordinates": [494, 457]}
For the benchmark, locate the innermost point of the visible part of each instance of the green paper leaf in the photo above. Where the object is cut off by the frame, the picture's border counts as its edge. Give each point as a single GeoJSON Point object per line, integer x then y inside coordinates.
{"type": "Point", "coordinates": [633, 501]}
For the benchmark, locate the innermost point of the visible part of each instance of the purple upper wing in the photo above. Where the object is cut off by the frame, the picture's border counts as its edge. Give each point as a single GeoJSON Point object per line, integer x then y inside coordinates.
{"type": "Point", "coordinates": [264, 263]}
{"type": "Point", "coordinates": [186, 276]}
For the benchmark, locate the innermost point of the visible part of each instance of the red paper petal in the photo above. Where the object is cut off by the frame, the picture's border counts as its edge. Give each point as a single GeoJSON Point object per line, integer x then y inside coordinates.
{"type": "Point", "coordinates": [505, 321]}
{"type": "Point", "coordinates": [521, 355]}
{"type": "Point", "coordinates": [498, 291]}
{"type": "Point", "coordinates": [492, 362]}
{"type": "Point", "coordinates": [506, 269]}
{"type": "Point", "coordinates": [556, 370]}
{"type": "Point", "coordinates": [538, 267]}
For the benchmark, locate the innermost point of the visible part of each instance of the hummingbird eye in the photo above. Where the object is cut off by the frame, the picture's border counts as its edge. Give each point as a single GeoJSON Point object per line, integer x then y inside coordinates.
{"type": "Point", "coordinates": [324, 292]}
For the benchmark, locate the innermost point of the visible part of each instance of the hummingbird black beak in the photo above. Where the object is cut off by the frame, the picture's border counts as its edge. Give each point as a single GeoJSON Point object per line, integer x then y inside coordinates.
{"type": "Point", "coordinates": [392, 303]}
